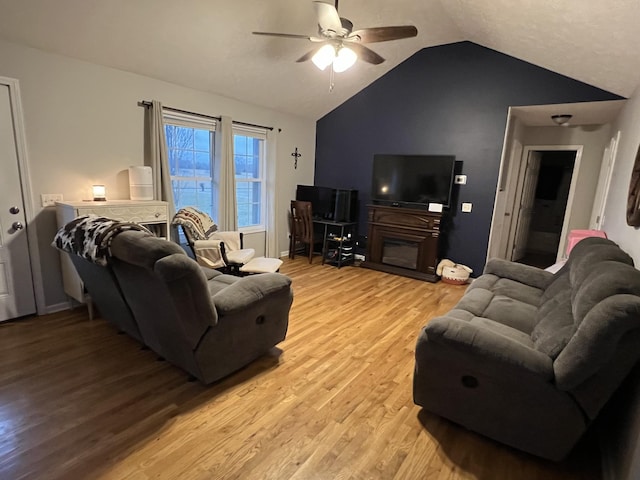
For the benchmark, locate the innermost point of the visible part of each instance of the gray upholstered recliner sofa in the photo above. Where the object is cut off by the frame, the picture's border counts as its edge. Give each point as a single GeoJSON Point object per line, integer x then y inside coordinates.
{"type": "Point", "coordinates": [206, 322]}
{"type": "Point", "coordinates": [529, 358]}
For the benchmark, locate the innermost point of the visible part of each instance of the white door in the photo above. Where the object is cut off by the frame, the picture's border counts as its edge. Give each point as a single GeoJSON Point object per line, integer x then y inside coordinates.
{"type": "Point", "coordinates": [527, 202]}
{"type": "Point", "coordinates": [604, 181]}
{"type": "Point", "coordinates": [16, 284]}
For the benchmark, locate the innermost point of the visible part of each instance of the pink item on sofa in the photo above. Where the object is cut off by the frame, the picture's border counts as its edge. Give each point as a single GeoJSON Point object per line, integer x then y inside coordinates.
{"type": "Point", "coordinates": [576, 235]}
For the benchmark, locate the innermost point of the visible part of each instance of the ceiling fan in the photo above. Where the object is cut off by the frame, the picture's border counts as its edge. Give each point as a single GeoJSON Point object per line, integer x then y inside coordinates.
{"type": "Point", "coordinates": [341, 45]}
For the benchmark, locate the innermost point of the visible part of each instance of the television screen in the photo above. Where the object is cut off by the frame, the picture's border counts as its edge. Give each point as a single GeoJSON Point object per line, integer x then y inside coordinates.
{"type": "Point", "coordinates": [321, 198]}
{"type": "Point", "coordinates": [412, 179]}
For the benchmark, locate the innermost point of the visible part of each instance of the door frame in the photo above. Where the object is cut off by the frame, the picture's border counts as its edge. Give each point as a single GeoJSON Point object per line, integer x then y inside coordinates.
{"type": "Point", "coordinates": [604, 182]}
{"type": "Point", "coordinates": [572, 189]}
{"type": "Point", "coordinates": [502, 250]}
{"type": "Point", "coordinates": [27, 190]}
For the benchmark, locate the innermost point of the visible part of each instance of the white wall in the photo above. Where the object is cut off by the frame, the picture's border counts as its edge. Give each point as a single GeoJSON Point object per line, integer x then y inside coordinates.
{"type": "Point", "coordinates": [84, 126]}
{"type": "Point", "coordinates": [621, 443]}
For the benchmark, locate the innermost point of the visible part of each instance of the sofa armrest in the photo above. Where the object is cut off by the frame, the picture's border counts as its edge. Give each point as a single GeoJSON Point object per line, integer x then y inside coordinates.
{"type": "Point", "coordinates": [488, 345]}
{"type": "Point", "coordinates": [532, 276]}
{"type": "Point", "coordinates": [249, 290]}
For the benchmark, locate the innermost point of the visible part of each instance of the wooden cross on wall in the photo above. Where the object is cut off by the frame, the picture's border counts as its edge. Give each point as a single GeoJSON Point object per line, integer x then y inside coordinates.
{"type": "Point", "coordinates": [296, 155]}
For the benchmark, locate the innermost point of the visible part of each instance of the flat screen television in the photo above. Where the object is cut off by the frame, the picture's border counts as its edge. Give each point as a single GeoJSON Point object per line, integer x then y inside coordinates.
{"type": "Point", "coordinates": [412, 180]}
{"type": "Point", "coordinates": [340, 205]}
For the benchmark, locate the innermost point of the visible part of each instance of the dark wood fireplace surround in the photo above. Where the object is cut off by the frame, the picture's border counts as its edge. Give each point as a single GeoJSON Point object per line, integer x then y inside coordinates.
{"type": "Point", "coordinates": [415, 228]}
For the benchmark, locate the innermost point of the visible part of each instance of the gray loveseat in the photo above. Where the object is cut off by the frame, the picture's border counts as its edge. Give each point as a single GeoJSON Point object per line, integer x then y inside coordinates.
{"type": "Point", "coordinates": [529, 358]}
{"type": "Point", "coordinates": [208, 323]}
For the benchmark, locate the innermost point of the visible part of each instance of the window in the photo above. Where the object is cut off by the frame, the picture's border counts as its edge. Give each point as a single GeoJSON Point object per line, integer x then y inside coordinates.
{"type": "Point", "coordinates": [249, 156]}
{"type": "Point", "coordinates": [195, 169]}
{"type": "Point", "coordinates": [190, 148]}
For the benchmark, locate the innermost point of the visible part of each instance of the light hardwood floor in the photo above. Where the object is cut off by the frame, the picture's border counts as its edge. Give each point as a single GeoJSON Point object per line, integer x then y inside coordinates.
{"type": "Point", "coordinates": [79, 401]}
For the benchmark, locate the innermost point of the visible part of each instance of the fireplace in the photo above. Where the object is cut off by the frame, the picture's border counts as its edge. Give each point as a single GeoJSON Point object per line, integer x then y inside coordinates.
{"type": "Point", "coordinates": [403, 241]}
{"type": "Point", "coordinates": [400, 253]}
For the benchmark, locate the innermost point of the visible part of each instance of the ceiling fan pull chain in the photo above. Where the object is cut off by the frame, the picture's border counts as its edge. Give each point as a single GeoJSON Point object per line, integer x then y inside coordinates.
{"type": "Point", "coordinates": [331, 79]}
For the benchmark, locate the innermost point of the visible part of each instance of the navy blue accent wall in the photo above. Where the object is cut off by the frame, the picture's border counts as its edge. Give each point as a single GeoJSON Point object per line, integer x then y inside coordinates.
{"type": "Point", "coordinates": [446, 100]}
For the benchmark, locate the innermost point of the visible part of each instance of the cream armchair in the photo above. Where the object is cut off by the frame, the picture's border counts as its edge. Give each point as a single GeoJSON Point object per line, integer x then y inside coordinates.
{"type": "Point", "coordinates": [212, 248]}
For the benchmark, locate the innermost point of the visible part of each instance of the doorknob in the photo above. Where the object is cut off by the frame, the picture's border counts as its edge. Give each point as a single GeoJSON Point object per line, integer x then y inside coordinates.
{"type": "Point", "coordinates": [14, 210]}
{"type": "Point", "coordinates": [17, 226]}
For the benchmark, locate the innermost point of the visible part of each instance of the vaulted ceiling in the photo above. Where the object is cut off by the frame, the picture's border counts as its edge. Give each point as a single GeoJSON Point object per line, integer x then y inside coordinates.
{"type": "Point", "coordinates": [207, 44]}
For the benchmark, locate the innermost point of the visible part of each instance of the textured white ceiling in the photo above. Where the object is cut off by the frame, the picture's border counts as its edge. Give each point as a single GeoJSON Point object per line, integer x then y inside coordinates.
{"type": "Point", "coordinates": [207, 44]}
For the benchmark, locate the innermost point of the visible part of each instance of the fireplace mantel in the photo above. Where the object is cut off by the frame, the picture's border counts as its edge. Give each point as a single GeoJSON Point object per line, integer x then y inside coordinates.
{"type": "Point", "coordinates": [403, 241]}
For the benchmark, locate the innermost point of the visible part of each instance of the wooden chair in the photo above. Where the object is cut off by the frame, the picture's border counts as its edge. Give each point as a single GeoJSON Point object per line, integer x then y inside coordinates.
{"type": "Point", "coordinates": [301, 227]}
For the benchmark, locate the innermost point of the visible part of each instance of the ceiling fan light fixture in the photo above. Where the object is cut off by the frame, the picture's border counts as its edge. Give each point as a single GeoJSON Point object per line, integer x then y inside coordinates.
{"type": "Point", "coordinates": [562, 120]}
{"type": "Point", "coordinates": [324, 56]}
{"type": "Point", "coordinates": [344, 60]}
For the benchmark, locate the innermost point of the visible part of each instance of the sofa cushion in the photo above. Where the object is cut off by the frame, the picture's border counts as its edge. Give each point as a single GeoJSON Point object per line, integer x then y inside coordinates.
{"type": "Point", "coordinates": [503, 330]}
{"type": "Point", "coordinates": [555, 324]}
{"type": "Point", "coordinates": [492, 297]}
{"type": "Point", "coordinates": [220, 282]}
{"type": "Point", "coordinates": [608, 306]}
{"type": "Point", "coordinates": [142, 249]}
{"type": "Point", "coordinates": [582, 247]}
{"type": "Point", "coordinates": [582, 266]}
{"type": "Point", "coordinates": [513, 313]}
{"type": "Point", "coordinates": [605, 279]}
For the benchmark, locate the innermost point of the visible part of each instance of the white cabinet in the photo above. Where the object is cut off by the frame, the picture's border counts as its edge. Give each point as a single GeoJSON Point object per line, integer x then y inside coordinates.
{"type": "Point", "coordinates": [152, 214]}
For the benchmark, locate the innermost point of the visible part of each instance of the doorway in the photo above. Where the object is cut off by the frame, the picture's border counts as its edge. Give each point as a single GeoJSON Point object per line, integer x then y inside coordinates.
{"type": "Point", "coordinates": [520, 214]}
{"type": "Point", "coordinates": [543, 207]}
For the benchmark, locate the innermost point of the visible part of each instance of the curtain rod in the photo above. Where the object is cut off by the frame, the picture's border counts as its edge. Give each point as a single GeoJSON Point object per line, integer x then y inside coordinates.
{"type": "Point", "coordinates": [146, 103]}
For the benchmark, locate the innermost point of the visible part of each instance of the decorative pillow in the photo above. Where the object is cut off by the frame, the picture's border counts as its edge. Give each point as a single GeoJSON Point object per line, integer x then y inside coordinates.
{"type": "Point", "coordinates": [197, 223]}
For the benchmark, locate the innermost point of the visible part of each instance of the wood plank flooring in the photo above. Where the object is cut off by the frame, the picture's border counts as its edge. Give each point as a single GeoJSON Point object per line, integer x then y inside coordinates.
{"type": "Point", "coordinates": [79, 401]}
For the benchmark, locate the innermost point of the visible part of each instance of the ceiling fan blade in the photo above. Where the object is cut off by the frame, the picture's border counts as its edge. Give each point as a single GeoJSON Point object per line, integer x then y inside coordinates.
{"type": "Point", "coordinates": [366, 54]}
{"type": "Point", "coordinates": [285, 35]}
{"type": "Point", "coordinates": [307, 56]}
{"type": "Point", "coordinates": [328, 18]}
{"type": "Point", "coordinates": [383, 34]}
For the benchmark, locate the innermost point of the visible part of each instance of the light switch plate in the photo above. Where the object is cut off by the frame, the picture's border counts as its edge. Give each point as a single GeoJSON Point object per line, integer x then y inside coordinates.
{"type": "Point", "coordinates": [50, 199]}
{"type": "Point", "coordinates": [466, 207]}
{"type": "Point", "coordinates": [460, 179]}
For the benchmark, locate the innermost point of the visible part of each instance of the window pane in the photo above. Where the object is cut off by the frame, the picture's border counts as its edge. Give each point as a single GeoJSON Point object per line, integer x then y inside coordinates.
{"type": "Point", "coordinates": [249, 198]}
{"type": "Point", "coordinates": [190, 153]}
{"type": "Point", "coordinates": [202, 140]}
{"type": "Point", "coordinates": [187, 164]}
{"type": "Point", "coordinates": [203, 164]}
{"type": "Point", "coordinates": [184, 193]}
{"type": "Point", "coordinates": [240, 145]}
{"type": "Point", "coordinates": [240, 165]}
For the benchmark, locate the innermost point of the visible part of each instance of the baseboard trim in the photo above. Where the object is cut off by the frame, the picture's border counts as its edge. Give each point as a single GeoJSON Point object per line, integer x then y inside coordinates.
{"type": "Point", "coordinates": [58, 307]}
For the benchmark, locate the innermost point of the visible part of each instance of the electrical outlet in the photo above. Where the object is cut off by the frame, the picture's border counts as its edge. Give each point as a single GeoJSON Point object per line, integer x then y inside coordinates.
{"type": "Point", "coordinates": [466, 207]}
{"type": "Point", "coordinates": [460, 179]}
{"type": "Point", "coordinates": [50, 199]}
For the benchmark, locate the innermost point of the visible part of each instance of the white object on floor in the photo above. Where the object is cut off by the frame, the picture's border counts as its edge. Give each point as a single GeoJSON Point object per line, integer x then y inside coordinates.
{"type": "Point", "coordinates": [556, 266]}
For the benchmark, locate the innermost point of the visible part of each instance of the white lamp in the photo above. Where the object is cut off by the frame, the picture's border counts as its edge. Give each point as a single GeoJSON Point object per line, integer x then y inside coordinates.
{"type": "Point", "coordinates": [344, 60]}
{"type": "Point", "coordinates": [323, 57]}
{"type": "Point", "coordinates": [99, 193]}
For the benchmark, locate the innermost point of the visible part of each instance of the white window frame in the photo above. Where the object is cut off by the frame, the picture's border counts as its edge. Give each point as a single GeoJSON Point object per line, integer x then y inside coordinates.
{"type": "Point", "coordinates": [179, 119]}
{"type": "Point", "coordinates": [259, 133]}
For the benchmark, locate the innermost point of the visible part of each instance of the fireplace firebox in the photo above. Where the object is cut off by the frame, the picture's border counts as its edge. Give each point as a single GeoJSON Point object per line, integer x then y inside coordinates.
{"type": "Point", "coordinates": [400, 253]}
{"type": "Point", "coordinates": [403, 241]}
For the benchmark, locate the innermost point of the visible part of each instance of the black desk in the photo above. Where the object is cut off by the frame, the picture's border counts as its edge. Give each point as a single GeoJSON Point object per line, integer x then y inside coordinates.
{"type": "Point", "coordinates": [338, 240]}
